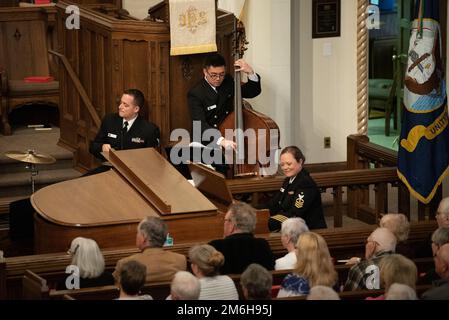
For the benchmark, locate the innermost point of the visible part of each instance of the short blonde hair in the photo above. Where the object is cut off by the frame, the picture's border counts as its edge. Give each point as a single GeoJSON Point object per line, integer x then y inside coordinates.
{"type": "Point", "coordinates": [314, 261]}
{"type": "Point", "coordinates": [397, 223]}
{"type": "Point", "coordinates": [87, 256]}
{"type": "Point", "coordinates": [207, 258]}
{"type": "Point", "coordinates": [396, 268]}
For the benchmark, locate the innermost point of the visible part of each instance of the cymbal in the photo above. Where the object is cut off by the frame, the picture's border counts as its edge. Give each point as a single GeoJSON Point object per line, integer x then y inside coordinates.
{"type": "Point", "coordinates": [31, 156]}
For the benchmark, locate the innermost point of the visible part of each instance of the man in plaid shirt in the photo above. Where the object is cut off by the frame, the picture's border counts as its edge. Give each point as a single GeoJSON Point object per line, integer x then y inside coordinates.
{"type": "Point", "coordinates": [365, 274]}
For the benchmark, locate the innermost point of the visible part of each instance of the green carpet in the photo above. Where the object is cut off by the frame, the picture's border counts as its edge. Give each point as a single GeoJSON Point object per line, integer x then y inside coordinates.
{"type": "Point", "coordinates": [376, 134]}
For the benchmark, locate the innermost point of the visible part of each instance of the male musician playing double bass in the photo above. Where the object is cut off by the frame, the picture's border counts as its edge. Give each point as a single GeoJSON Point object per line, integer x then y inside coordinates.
{"type": "Point", "coordinates": [212, 99]}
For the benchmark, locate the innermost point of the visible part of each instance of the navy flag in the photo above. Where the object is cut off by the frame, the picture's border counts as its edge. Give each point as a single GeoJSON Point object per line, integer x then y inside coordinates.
{"type": "Point", "coordinates": [423, 159]}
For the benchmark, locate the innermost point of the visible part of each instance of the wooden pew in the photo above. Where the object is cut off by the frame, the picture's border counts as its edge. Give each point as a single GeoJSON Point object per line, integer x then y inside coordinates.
{"type": "Point", "coordinates": [343, 243]}
{"type": "Point", "coordinates": [362, 294]}
{"type": "Point", "coordinates": [94, 293]}
{"type": "Point", "coordinates": [34, 287]}
{"type": "Point", "coordinates": [2, 278]}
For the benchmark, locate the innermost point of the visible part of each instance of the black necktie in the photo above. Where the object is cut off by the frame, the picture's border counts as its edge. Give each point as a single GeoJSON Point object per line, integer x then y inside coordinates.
{"type": "Point", "coordinates": [124, 130]}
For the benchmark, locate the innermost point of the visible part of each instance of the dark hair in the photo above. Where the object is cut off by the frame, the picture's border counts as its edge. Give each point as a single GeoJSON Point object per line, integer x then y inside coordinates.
{"type": "Point", "coordinates": [214, 60]}
{"type": "Point", "coordinates": [132, 277]}
{"type": "Point", "coordinates": [139, 98]}
{"type": "Point", "coordinates": [295, 152]}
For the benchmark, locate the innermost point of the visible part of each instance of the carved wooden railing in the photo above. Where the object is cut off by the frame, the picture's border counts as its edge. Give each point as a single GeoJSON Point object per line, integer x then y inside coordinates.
{"type": "Point", "coordinates": [362, 154]}
{"type": "Point", "coordinates": [369, 167]}
{"type": "Point", "coordinates": [337, 181]}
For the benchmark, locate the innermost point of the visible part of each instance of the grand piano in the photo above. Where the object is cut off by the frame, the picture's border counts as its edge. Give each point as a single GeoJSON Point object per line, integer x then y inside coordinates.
{"type": "Point", "coordinates": [107, 207]}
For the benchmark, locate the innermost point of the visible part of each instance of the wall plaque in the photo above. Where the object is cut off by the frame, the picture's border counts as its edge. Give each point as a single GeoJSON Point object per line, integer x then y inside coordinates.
{"type": "Point", "coordinates": [326, 18]}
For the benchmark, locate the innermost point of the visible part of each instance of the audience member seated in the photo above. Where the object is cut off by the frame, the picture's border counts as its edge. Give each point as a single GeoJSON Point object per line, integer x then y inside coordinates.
{"type": "Point", "coordinates": [322, 293]}
{"type": "Point", "coordinates": [380, 243]}
{"type": "Point", "coordinates": [87, 256]}
{"type": "Point", "coordinates": [184, 286]}
{"type": "Point", "coordinates": [440, 290]}
{"type": "Point", "coordinates": [400, 226]}
{"type": "Point", "coordinates": [439, 238]}
{"type": "Point", "coordinates": [291, 229]}
{"type": "Point", "coordinates": [131, 280]}
{"type": "Point", "coordinates": [161, 264]}
{"type": "Point", "coordinates": [442, 215]}
{"type": "Point", "coordinates": [239, 246]}
{"type": "Point", "coordinates": [396, 268]}
{"type": "Point", "coordinates": [256, 282]}
{"type": "Point", "coordinates": [205, 263]}
{"type": "Point", "coordinates": [400, 291]}
{"type": "Point", "coordinates": [314, 267]}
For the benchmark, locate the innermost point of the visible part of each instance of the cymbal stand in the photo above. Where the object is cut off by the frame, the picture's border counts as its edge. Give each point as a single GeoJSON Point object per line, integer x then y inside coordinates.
{"type": "Point", "coordinates": [34, 172]}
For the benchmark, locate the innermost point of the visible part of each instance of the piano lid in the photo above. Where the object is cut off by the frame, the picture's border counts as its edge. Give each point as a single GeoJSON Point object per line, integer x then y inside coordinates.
{"type": "Point", "coordinates": [147, 185]}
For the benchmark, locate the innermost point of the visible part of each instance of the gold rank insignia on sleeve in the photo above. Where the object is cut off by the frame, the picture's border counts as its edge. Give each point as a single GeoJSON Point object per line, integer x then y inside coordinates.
{"type": "Point", "coordinates": [299, 203]}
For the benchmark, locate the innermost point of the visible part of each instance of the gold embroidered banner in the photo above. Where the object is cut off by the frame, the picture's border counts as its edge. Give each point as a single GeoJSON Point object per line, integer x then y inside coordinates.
{"type": "Point", "coordinates": [192, 26]}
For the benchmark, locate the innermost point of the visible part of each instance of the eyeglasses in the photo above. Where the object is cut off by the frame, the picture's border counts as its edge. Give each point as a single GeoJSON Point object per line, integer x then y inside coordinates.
{"type": "Point", "coordinates": [216, 76]}
{"type": "Point", "coordinates": [375, 242]}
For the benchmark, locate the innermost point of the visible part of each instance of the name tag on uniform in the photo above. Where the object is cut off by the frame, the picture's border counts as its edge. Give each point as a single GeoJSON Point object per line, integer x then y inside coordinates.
{"type": "Point", "coordinates": [137, 140]}
{"type": "Point", "coordinates": [291, 192]}
{"type": "Point", "coordinates": [111, 135]}
{"type": "Point", "coordinates": [212, 107]}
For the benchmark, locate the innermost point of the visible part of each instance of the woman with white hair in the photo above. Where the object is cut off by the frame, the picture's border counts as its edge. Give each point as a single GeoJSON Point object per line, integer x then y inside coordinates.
{"type": "Point", "coordinates": [87, 257]}
{"type": "Point", "coordinates": [291, 229]}
{"type": "Point", "coordinates": [399, 225]}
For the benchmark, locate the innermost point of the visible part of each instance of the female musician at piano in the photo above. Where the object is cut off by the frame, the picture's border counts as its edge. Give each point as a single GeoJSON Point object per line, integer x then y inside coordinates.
{"type": "Point", "coordinates": [299, 195]}
{"type": "Point", "coordinates": [212, 99]}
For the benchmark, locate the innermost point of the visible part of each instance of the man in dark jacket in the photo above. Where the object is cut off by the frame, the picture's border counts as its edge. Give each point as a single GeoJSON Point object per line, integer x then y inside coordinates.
{"type": "Point", "coordinates": [126, 129]}
{"type": "Point", "coordinates": [239, 247]}
{"type": "Point", "coordinates": [212, 100]}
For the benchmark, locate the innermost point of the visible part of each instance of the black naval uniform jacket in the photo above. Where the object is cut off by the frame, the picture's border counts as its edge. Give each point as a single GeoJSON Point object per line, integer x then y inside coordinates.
{"type": "Point", "coordinates": [212, 107]}
{"type": "Point", "coordinates": [301, 198]}
{"type": "Point", "coordinates": [142, 134]}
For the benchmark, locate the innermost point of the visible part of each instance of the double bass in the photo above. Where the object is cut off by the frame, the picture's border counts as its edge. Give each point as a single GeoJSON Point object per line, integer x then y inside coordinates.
{"type": "Point", "coordinates": [256, 135]}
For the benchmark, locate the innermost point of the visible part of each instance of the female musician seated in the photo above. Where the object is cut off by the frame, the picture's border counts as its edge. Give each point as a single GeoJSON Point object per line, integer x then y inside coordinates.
{"type": "Point", "coordinates": [299, 195]}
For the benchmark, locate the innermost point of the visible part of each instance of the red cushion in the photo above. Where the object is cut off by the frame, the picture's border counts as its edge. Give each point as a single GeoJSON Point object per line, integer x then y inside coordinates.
{"type": "Point", "coordinates": [39, 79]}
{"type": "Point", "coordinates": [274, 290]}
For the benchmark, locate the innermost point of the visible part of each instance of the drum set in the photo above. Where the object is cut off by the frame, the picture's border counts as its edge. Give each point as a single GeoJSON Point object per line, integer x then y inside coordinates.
{"type": "Point", "coordinates": [32, 159]}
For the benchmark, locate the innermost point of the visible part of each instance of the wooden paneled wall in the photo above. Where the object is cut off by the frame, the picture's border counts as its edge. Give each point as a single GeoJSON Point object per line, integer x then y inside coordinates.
{"type": "Point", "coordinates": [109, 55]}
